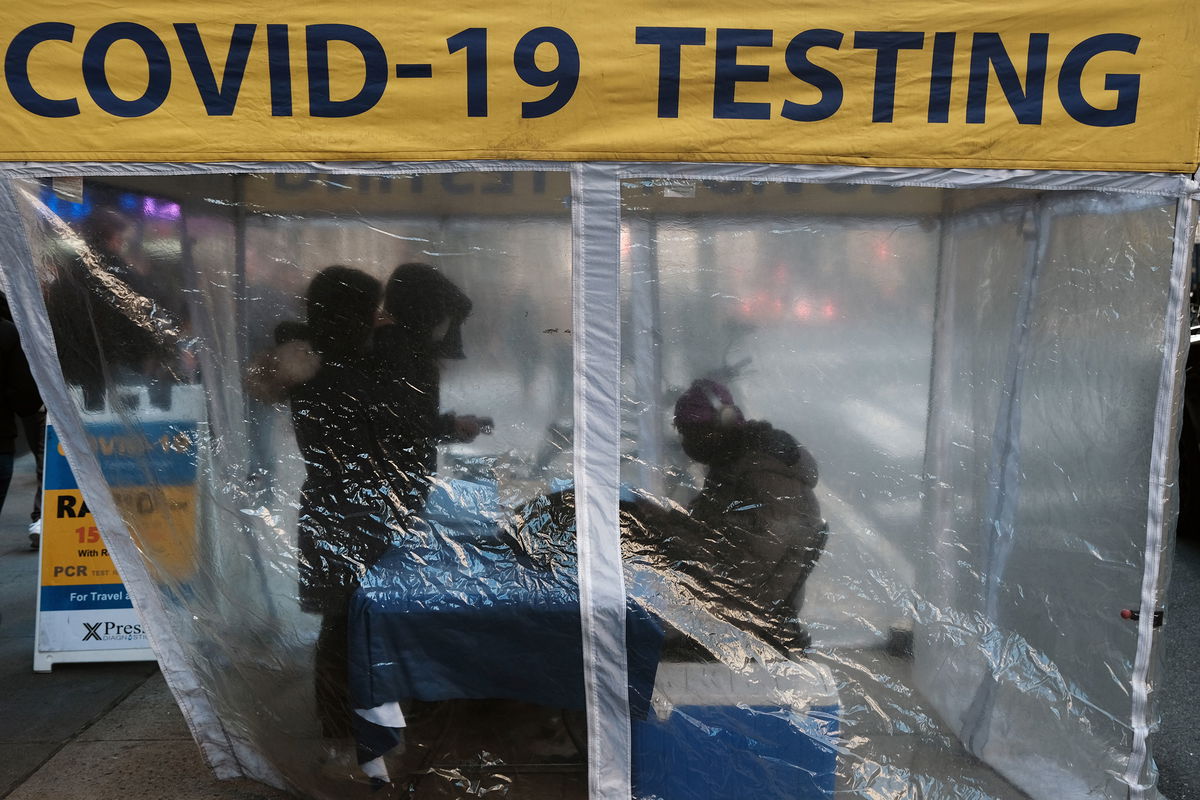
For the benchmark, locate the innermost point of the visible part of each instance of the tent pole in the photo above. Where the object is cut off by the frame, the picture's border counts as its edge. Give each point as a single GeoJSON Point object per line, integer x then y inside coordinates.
{"type": "Point", "coordinates": [939, 497]}
{"type": "Point", "coordinates": [646, 334]}
{"type": "Point", "coordinates": [1163, 474]}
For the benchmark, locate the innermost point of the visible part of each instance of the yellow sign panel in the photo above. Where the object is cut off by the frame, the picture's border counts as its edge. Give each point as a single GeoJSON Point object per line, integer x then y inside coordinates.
{"type": "Point", "coordinates": [1089, 84]}
{"type": "Point", "coordinates": [160, 517]}
{"type": "Point", "coordinates": [84, 611]}
{"type": "Point", "coordinates": [73, 552]}
{"type": "Point", "coordinates": [162, 520]}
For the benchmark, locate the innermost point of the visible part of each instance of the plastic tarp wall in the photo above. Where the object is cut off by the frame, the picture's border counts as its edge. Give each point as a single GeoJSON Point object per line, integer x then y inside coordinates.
{"type": "Point", "coordinates": [864, 466]}
{"type": "Point", "coordinates": [1056, 445]}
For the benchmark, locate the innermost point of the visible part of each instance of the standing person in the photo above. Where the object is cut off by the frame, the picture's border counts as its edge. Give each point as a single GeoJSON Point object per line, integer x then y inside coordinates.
{"type": "Point", "coordinates": [425, 312]}
{"type": "Point", "coordinates": [35, 437]}
{"type": "Point", "coordinates": [18, 398]}
{"type": "Point", "coordinates": [271, 298]}
{"type": "Point", "coordinates": [348, 514]}
{"type": "Point", "coordinates": [105, 317]}
{"type": "Point", "coordinates": [764, 531]}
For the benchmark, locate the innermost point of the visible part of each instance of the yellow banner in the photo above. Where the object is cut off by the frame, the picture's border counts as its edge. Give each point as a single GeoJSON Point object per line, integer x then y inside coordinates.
{"type": "Point", "coordinates": [1076, 84]}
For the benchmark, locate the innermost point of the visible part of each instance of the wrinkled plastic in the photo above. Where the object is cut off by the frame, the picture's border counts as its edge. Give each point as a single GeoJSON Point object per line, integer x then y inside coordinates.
{"type": "Point", "coordinates": [966, 370]}
{"type": "Point", "coordinates": [885, 459]}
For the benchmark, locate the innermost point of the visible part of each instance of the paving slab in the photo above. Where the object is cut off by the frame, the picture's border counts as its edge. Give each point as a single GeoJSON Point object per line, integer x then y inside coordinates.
{"type": "Point", "coordinates": [148, 714]}
{"type": "Point", "coordinates": [134, 770]}
{"type": "Point", "coordinates": [22, 759]}
{"type": "Point", "coordinates": [57, 706]}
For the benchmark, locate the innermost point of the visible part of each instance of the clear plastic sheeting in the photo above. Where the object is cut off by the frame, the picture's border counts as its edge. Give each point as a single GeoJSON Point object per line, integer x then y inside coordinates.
{"type": "Point", "coordinates": [914, 427]}
{"type": "Point", "coordinates": [375, 378]}
{"type": "Point", "coordinates": [1048, 550]}
{"type": "Point", "coordinates": [884, 463]}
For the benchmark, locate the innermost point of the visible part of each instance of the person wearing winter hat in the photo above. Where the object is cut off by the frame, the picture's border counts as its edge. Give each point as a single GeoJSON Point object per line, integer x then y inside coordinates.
{"type": "Point", "coordinates": [425, 312]}
{"type": "Point", "coordinates": [764, 531]}
{"type": "Point", "coordinates": [349, 515]}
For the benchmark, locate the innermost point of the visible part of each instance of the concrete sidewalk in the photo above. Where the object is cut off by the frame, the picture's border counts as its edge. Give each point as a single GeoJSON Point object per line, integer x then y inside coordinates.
{"type": "Point", "coordinates": [139, 748]}
{"type": "Point", "coordinates": [97, 731]}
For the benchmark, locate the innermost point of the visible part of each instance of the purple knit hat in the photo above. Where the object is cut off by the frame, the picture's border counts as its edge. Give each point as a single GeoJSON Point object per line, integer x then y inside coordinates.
{"type": "Point", "coordinates": [707, 402]}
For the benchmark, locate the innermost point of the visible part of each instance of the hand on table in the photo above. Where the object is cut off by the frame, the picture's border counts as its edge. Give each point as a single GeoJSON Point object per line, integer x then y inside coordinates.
{"type": "Point", "coordinates": [468, 426]}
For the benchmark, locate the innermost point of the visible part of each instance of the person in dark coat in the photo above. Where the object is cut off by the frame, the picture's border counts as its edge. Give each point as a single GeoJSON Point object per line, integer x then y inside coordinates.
{"type": "Point", "coordinates": [426, 312]}
{"type": "Point", "coordinates": [104, 313]}
{"type": "Point", "coordinates": [349, 515]}
{"type": "Point", "coordinates": [20, 383]}
{"type": "Point", "coordinates": [763, 530]}
{"type": "Point", "coordinates": [18, 398]}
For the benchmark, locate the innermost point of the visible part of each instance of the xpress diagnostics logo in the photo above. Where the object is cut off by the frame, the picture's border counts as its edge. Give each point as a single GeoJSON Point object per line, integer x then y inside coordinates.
{"type": "Point", "coordinates": [109, 631]}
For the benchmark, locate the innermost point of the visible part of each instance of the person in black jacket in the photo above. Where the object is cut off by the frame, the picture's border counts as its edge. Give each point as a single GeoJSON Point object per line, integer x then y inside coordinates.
{"type": "Point", "coordinates": [759, 507]}
{"type": "Point", "coordinates": [34, 423]}
{"type": "Point", "coordinates": [426, 312]}
{"type": "Point", "coordinates": [349, 515]}
{"type": "Point", "coordinates": [749, 540]}
{"type": "Point", "coordinates": [367, 422]}
{"type": "Point", "coordinates": [104, 314]}
{"type": "Point", "coordinates": [18, 398]}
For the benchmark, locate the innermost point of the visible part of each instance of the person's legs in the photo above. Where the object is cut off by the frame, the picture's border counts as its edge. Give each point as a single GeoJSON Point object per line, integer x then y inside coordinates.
{"type": "Point", "coordinates": [332, 675]}
{"type": "Point", "coordinates": [6, 471]}
{"type": "Point", "coordinates": [35, 435]}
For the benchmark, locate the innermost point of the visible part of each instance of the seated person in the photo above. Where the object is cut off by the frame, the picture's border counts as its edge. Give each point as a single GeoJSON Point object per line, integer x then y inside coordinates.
{"type": "Point", "coordinates": [754, 532]}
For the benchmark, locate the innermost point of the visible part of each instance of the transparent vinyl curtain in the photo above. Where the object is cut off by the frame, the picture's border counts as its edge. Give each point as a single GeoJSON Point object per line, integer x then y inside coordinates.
{"type": "Point", "coordinates": [863, 471]}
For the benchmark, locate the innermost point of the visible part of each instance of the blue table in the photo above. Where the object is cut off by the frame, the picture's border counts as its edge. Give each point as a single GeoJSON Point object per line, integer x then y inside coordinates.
{"type": "Point", "coordinates": [466, 612]}
{"type": "Point", "coordinates": [460, 613]}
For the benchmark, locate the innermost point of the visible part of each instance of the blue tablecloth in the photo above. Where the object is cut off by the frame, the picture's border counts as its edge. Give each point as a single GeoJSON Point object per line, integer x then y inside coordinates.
{"type": "Point", "coordinates": [762, 752]}
{"type": "Point", "coordinates": [459, 612]}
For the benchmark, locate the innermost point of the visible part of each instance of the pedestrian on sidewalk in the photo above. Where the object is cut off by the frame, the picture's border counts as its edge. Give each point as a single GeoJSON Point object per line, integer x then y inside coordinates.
{"type": "Point", "coordinates": [34, 426]}
{"type": "Point", "coordinates": [18, 398]}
